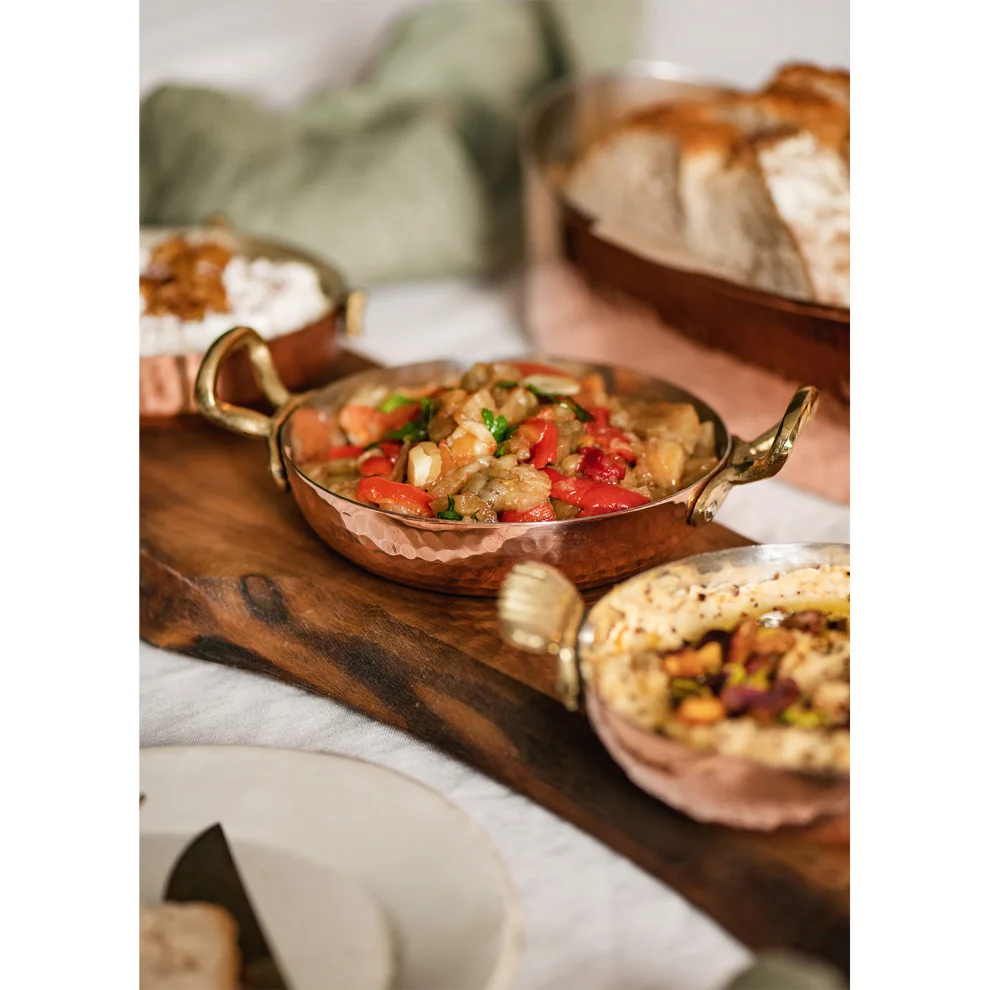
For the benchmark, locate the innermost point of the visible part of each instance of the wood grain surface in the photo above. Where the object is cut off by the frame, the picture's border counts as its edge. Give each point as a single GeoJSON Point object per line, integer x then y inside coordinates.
{"type": "Point", "coordinates": [231, 573]}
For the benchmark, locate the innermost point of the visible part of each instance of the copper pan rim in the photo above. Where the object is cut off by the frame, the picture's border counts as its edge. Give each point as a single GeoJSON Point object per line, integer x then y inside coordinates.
{"type": "Point", "coordinates": [419, 522]}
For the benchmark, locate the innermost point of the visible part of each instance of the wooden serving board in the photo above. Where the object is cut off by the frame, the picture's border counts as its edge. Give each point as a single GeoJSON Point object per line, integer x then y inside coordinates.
{"type": "Point", "coordinates": [230, 572]}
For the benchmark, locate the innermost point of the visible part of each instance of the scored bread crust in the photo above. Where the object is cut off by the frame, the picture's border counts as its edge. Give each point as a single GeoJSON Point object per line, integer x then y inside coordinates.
{"type": "Point", "coordinates": [830, 83]}
{"type": "Point", "coordinates": [701, 181]}
{"type": "Point", "coordinates": [189, 946]}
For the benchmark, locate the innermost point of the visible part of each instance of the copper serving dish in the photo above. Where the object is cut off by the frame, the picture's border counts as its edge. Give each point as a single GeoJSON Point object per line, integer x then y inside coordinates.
{"type": "Point", "coordinates": [473, 558]}
{"type": "Point", "coordinates": [798, 340]}
{"type": "Point", "coordinates": [542, 612]}
{"type": "Point", "coordinates": [302, 358]}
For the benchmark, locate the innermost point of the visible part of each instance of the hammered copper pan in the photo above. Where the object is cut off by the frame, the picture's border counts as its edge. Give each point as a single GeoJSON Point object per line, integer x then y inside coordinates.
{"type": "Point", "coordinates": [473, 558]}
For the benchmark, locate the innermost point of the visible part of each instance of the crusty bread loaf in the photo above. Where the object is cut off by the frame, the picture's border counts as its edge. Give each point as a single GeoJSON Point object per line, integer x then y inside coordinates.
{"type": "Point", "coordinates": [830, 83]}
{"type": "Point", "coordinates": [808, 181]}
{"type": "Point", "coordinates": [753, 187]}
{"type": "Point", "coordinates": [188, 947]}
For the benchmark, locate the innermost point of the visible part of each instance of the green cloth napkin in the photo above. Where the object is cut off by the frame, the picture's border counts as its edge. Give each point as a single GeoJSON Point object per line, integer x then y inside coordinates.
{"type": "Point", "coordinates": [411, 173]}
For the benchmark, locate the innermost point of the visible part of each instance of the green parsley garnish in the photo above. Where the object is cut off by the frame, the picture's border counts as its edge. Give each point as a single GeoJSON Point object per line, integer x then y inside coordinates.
{"type": "Point", "coordinates": [504, 384]}
{"type": "Point", "coordinates": [419, 428]}
{"type": "Point", "coordinates": [450, 512]}
{"type": "Point", "coordinates": [393, 402]}
{"type": "Point", "coordinates": [503, 447]}
{"type": "Point", "coordinates": [498, 426]}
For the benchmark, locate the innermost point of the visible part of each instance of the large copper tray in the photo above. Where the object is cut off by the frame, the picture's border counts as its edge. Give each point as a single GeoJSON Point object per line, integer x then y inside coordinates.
{"type": "Point", "coordinates": [473, 558]}
{"type": "Point", "coordinates": [798, 340]}
{"type": "Point", "coordinates": [302, 357]}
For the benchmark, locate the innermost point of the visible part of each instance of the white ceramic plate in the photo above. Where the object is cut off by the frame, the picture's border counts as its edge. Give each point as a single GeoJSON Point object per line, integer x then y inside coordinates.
{"type": "Point", "coordinates": [363, 879]}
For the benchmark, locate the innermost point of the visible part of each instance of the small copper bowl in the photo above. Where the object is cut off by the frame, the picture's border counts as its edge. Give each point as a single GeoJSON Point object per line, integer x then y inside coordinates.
{"type": "Point", "coordinates": [473, 558]}
{"type": "Point", "coordinates": [303, 357]}
{"type": "Point", "coordinates": [541, 611]}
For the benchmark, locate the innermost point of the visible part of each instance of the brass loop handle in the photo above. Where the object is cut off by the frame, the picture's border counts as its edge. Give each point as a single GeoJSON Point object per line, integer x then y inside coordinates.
{"type": "Point", "coordinates": [237, 419]}
{"type": "Point", "coordinates": [756, 459]}
{"type": "Point", "coordinates": [354, 307]}
{"type": "Point", "coordinates": [540, 611]}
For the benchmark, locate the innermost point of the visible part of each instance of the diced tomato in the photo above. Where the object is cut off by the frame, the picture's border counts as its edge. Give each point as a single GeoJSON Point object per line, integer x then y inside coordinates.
{"type": "Point", "coordinates": [336, 453]}
{"type": "Point", "coordinates": [600, 499]}
{"type": "Point", "coordinates": [386, 493]}
{"type": "Point", "coordinates": [377, 466]}
{"type": "Point", "coordinates": [612, 440]}
{"type": "Point", "coordinates": [541, 435]}
{"type": "Point", "coordinates": [391, 449]}
{"type": "Point", "coordinates": [312, 434]}
{"type": "Point", "coordinates": [365, 425]}
{"type": "Point", "coordinates": [526, 368]}
{"type": "Point", "coordinates": [542, 513]}
{"type": "Point", "coordinates": [599, 466]}
{"type": "Point", "coordinates": [399, 417]}
{"type": "Point", "coordinates": [571, 490]}
{"type": "Point", "coordinates": [601, 414]}
{"type": "Point", "coordinates": [554, 476]}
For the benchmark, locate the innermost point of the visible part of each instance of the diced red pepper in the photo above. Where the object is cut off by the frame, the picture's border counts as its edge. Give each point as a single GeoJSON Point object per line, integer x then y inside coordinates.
{"type": "Point", "coordinates": [381, 464]}
{"type": "Point", "coordinates": [554, 476]}
{"type": "Point", "coordinates": [387, 493]}
{"type": "Point", "coordinates": [612, 440]}
{"type": "Point", "coordinates": [600, 414]}
{"type": "Point", "coordinates": [526, 368]}
{"type": "Point", "coordinates": [570, 490]}
{"type": "Point", "coordinates": [545, 452]}
{"type": "Point", "coordinates": [336, 453]}
{"type": "Point", "coordinates": [391, 449]}
{"type": "Point", "coordinates": [599, 466]}
{"type": "Point", "coordinates": [542, 513]}
{"type": "Point", "coordinates": [595, 498]}
{"type": "Point", "coordinates": [600, 499]}
{"type": "Point", "coordinates": [378, 466]}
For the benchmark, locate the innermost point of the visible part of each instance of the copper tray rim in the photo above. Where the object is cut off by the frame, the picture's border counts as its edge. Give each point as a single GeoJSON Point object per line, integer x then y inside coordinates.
{"type": "Point", "coordinates": [544, 103]}
{"type": "Point", "coordinates": [420, 522]}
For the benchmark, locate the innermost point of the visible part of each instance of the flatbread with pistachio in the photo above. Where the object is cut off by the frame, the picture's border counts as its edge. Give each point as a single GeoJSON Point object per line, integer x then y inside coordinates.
{"type": "Point", "coordinates": [758, 670]}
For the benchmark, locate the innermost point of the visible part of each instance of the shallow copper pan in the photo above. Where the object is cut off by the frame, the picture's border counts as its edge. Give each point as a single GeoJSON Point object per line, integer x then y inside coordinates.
{"type": "Point", "coordinates": [540, 611]}
{"type": "Point", "coordinates": [796, 339]}
{"type": "Point", "coordinates": [473, 558]}
{"type": "Point", "coordinates": [302, 358]}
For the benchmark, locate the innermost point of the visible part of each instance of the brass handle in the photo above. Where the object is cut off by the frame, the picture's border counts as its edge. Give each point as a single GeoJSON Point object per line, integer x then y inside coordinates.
{"type": "Point", "coordinates": [756, 459]}
{"type": "Point", "coordinates": [237, 419]}
{"type": "Point", "coordinates": [354, 306]}
{"type": "Point", "coordinates": [540, 611]}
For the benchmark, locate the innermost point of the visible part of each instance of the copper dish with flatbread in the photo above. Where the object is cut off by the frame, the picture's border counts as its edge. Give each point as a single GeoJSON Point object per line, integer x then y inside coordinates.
{"type": "Point", "coordinates": [720, 683]}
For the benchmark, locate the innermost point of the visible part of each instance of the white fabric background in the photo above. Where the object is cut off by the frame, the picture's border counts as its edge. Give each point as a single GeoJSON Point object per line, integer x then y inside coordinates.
{"type": "Point", "coordinates": [593, 920]}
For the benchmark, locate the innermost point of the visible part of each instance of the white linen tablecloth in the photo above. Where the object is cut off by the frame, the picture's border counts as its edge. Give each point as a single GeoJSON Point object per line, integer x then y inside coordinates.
{"type": "Point", "coordinates": [593, 920]}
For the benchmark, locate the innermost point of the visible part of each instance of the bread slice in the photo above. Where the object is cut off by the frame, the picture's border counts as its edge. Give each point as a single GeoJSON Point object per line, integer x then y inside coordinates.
{"type": "Point", "coordinates": [188, 947]}
{"type": "Point", "coordinates": [689, 185]}
{"type": "Point", "coordinates": [753, 187]}
{"type": "Point", "coordinates": [808, 181]}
